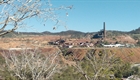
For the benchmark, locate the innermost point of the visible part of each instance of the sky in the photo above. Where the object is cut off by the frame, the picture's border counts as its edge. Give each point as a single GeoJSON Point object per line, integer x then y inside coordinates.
{"type": "Point", "coordinates": [89, 15]}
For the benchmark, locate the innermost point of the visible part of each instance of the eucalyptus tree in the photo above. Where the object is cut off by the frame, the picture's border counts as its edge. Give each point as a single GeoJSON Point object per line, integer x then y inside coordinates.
{"type": "Point", "coordinates": [97, 66]}
{"type": "Point", "coordinates": [32, 64]}
{"type": "Point", "coordinates": [29, 65]}
{"type": "Point", "coordinates": [14, 13]}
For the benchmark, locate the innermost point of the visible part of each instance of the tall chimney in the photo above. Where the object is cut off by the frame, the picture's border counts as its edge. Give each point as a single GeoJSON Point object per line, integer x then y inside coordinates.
{"type": "Point", "coordinates": [104, 31]}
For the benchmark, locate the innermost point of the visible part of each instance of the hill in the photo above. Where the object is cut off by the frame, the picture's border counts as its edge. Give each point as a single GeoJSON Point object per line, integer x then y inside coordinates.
{"type": "Point", "coordinates": [131, 55]}
{"type": "Point", "coordinates": [136, 31]}
{"type": "Point", "coordinates": [135, 34]}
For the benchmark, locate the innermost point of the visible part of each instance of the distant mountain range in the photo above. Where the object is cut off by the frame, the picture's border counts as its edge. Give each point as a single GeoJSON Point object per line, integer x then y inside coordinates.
{"type": "Point", "coordinates": [73, 33]}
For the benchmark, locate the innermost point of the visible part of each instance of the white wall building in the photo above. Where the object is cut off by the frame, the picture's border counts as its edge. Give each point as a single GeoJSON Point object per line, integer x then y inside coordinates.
{"type": "Point", "coordinates": [114, 45]}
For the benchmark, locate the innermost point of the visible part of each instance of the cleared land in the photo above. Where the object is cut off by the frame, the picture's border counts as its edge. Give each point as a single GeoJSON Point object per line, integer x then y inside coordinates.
{"type": "Point", "coordinates": [127, 54]}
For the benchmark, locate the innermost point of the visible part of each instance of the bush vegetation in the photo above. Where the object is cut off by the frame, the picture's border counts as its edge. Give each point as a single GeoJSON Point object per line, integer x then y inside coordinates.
{"type": "Point", "coordinates": [118, 69]}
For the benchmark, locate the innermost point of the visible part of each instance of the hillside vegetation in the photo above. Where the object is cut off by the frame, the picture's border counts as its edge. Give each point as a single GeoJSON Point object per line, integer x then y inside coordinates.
{"type": "Point", "coordinates": [107, 63]}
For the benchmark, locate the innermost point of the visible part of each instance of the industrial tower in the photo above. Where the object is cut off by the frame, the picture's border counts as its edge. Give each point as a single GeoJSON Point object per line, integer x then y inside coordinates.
{"type": "Point", "coordinates": [104, 31]}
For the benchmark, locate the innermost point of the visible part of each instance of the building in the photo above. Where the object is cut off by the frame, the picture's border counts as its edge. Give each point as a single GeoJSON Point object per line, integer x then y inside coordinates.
{"type": "Point", "coordinates": [114, 45]}
{"type": "Point", "coordinates": [101, 34]}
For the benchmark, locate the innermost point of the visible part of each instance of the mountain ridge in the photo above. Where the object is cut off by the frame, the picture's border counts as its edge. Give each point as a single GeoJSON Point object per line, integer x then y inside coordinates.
{"type": "Point", "coordinates": [75, 33]}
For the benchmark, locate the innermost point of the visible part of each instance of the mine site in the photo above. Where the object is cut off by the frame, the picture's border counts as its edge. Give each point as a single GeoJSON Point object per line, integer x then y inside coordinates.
{"type": "Point", "coordinates": [69, 40]}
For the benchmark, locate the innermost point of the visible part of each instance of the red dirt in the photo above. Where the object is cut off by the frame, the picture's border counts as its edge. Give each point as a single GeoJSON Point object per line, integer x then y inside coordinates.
{"type": "Point", "coordinates": [126, 54]}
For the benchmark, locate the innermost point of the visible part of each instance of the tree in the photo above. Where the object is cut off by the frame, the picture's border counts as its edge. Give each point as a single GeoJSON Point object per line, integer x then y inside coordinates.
{"type": "Point", "coordinates": [31, 64]}
{"type": "Point", "coordinates": [14, 13]}
{"type": "Point", "coordinates": [28, 65]}
{"type": "Point", "coordinates": [94, 66]}
{"type": "Point", "coordinates": [97, 66]}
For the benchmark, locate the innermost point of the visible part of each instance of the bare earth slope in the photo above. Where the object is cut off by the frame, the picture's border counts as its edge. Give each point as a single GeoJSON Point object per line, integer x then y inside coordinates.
{"type": "Point", "coordinates": [127, 54]}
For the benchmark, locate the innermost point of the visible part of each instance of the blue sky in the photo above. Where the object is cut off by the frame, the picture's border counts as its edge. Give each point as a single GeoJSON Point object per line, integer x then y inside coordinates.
{"type": "Point", "coordinates": [89, 15]}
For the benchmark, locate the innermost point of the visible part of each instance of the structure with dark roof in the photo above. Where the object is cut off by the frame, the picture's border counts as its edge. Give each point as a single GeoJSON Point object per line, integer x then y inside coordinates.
{"type": "Point", "coordinates": [101, 34]}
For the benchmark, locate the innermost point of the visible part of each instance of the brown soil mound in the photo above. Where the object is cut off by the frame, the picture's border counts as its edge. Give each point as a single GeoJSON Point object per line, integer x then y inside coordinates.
{"type": "Point", "coordinates": [126, 54]}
